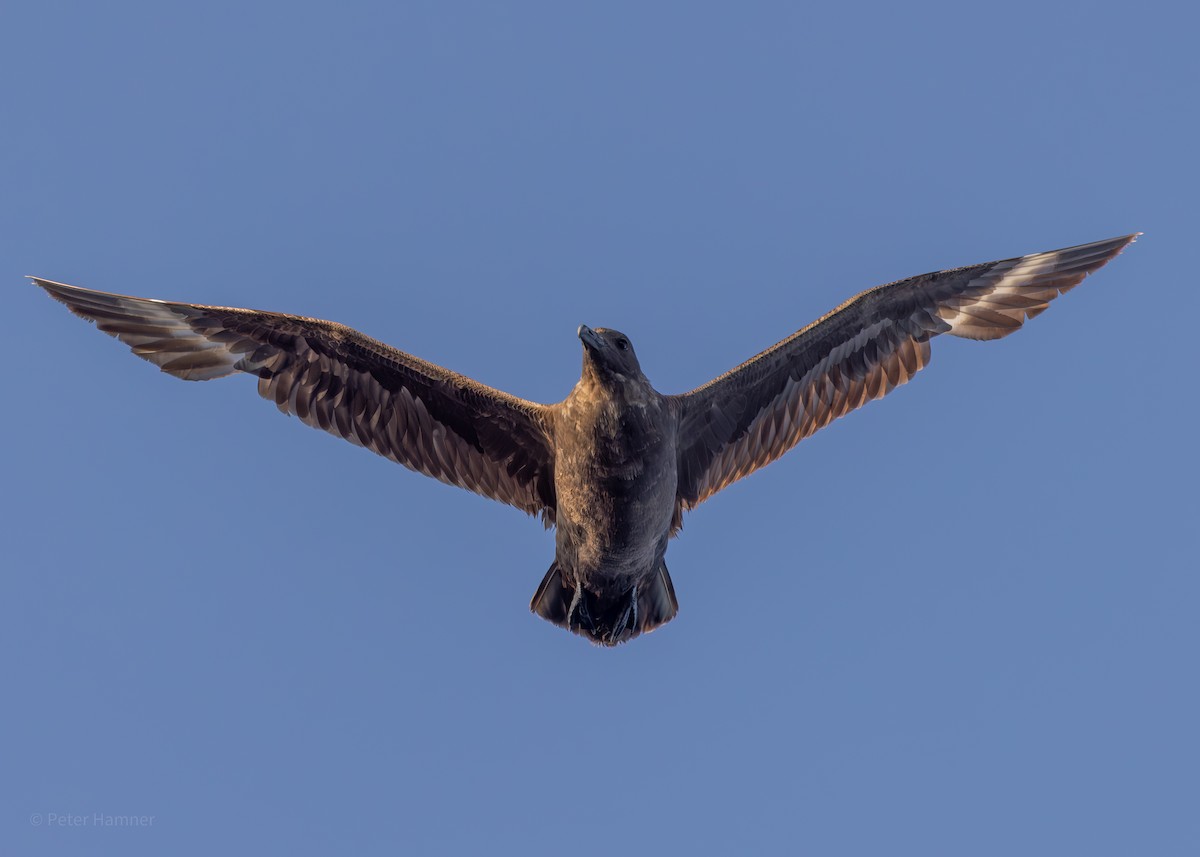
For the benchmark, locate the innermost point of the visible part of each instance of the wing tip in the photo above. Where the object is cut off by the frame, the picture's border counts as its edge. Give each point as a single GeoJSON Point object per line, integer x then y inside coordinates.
{"type": "Point", "coordinates": [1111, 248]}
{"type": "Point", "coordinates": [62, 293]}
{"type": "Point", "coordinates": [1122, 241]}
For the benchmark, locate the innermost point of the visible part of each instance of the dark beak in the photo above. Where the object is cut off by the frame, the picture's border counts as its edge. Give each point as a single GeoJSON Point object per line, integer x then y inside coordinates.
{"type": "Point", "coordinates": [591, 339]}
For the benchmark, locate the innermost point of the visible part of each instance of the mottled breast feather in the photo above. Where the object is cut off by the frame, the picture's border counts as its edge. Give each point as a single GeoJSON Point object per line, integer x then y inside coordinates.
{"type": "Point", "coordinates": [861, 351]}
{"type": "Point", "coordinates": [427, 418]}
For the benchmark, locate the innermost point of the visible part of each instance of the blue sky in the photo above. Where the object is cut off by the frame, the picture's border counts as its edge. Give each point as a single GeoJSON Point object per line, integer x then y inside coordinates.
{"type": "Point", "coordinates": [960, 621]}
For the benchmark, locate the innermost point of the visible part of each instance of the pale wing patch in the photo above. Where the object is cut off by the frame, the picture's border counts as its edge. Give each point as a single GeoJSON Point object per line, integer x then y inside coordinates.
{"type": "Point", "coordinates": [1005, 306]}
{"type": "Point", "coordinates": [154, 330]}
{"type": "Point", "coordinates": [1004, 297]}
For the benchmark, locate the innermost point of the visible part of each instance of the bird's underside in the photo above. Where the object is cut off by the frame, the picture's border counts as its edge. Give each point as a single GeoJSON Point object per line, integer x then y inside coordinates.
{"type": "Point", "coordinates": [616, 463]}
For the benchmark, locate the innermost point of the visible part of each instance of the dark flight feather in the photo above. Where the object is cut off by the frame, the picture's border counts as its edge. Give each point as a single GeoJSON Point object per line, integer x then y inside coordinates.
{"type": "Point", "coordinates": [861, 351]}
{"type": "Point", "coordinates": [334, 378]}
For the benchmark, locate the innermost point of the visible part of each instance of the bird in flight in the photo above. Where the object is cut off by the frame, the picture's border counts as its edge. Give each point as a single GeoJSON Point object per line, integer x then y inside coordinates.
{"type": "Point", "coordinates": [614, 465]}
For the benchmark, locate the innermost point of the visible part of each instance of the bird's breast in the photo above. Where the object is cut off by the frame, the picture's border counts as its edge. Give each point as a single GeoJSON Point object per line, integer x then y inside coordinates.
{"type": "Point", "coordinates": [615, 477]}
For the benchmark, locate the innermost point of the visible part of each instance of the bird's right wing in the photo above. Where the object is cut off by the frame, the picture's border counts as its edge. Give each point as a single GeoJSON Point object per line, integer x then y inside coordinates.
{"type": "Point", "coordinates": [334, 378]}
{"type": "Point", "coordinates": [861, 351]}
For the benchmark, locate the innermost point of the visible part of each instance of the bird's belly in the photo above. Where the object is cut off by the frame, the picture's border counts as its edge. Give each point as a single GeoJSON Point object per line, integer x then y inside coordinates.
{"type": "Point", "coordinates": [616, 485]}
{"type": "Point", "coordinates": [615, 528]}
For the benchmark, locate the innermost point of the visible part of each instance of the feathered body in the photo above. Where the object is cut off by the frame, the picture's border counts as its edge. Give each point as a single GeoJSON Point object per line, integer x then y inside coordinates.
{"type": "Point", "coordinates": [615, 476]}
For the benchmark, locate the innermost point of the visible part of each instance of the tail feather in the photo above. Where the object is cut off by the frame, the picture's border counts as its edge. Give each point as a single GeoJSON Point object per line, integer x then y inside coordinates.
{"type": "Point", "coordinates": [552, 600]}
{"type": "Point", "coordinates": [657, 604]}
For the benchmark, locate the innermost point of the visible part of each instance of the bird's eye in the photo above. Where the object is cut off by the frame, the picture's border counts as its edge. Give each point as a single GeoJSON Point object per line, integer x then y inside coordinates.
{"type": "Point", "coordinates": [623, 344]}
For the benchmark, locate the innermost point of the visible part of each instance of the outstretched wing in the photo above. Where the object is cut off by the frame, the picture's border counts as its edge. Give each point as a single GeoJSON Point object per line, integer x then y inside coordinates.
{"type": "Point", "coordinates": [861, 351]}
{"type": "Point", "coordinates": [332, 377]}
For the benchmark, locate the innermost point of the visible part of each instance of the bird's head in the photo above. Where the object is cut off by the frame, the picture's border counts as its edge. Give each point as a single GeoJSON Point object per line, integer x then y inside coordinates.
{"type": "Point", "coordinates": [608, 354]}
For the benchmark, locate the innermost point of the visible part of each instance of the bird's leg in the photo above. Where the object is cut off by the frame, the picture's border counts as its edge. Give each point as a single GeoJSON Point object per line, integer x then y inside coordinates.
{"type": "Point", "coordinates": [629, 612]}
{"type": "Point", "coordinates": [571, 611]}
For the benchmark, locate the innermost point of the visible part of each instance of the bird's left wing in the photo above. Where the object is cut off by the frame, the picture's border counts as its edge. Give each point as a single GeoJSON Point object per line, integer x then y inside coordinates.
{"type": "Point", "coordinates": [427, 418]}
{"type": "Point", "coordinates": [861, 351]}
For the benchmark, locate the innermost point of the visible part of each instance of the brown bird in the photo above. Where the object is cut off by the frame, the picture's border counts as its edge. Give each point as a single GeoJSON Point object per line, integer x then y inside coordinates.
{"type": "Point", "coordinates": [615, 464]}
